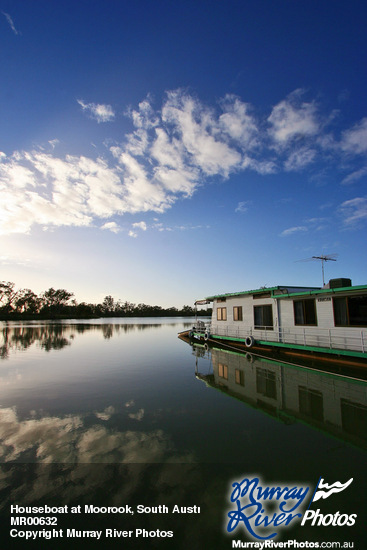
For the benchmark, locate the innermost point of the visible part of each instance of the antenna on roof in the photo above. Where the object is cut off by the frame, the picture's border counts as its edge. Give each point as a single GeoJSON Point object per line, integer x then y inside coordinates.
{"type": "Point", "coordinates": [323, 258]}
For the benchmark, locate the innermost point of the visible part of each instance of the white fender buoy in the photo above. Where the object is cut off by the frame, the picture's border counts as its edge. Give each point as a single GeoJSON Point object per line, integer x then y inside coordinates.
{"type": "Point", "coordinates": [249, 342]}
{"type": "Point", "coordinates": [206, 335]}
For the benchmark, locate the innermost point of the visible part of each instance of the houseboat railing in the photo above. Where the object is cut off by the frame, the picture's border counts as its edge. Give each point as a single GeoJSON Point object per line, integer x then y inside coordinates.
{"type": "Point", "coordinates": [202, 327]}
{"type": "Point", "coordinates": [349, 339]}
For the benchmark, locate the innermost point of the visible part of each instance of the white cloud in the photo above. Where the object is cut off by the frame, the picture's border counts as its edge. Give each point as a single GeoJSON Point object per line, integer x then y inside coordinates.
{"type": "Point", "coordinates": [111, 226]}
{"type": "Point", "coordinates": [54, 142]}
{"type": "Point", "coordinates": [140, 225]}
{"type": "Point", "coordinates": [99, 112]}
{"type": "Point", "coordinates": [299, 159]}
{"type": "Point", "coordinates": [144, 117]}
{"type": "Point", "coordinates": [38, 188]}
{"type": "Point", "coordinates": [243, 206]}
{"type": "Point", "coordinates": [137, 225]}
{"type": "Point", "coordinates": [310, 225]}
{"type": "Point", "coordinates": [355, 176]}
{"type": "Point", "coordinates": [142, 193]}
{"type": "Point", "coordinates": [137, 142]}
{"type": "Point", "coordinates": [293, 118]}
{"type": "Point", "coordinates": [197, 129]}
{"type": "Point", "coordinates": [354, 140]}
{"type": "Point", "coordinates": [354, 211]}
{"type": "Point", "coordinates": [238, 122]}
{"type": "Point", "coordinates": [168, 154]}
{"type": "Point", "coordinates": [11, 23]}
{"type": "Point", "coordinates": [317, 224]}
{"type": "Point", "coordinates": [292, 230]}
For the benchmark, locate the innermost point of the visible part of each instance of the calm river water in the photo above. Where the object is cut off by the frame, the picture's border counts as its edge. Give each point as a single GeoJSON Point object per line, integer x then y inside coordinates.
{"type": "Point", "coordinates": [119, 412]}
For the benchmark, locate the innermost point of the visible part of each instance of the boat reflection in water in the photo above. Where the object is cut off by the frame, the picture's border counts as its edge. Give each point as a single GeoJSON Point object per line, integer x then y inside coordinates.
{"type": "Point", "coordinates": [334, 404]}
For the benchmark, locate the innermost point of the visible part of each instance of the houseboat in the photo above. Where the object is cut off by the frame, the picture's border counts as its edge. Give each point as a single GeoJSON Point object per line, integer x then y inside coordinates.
{"type": "Point", "coordinates": [330, 321]}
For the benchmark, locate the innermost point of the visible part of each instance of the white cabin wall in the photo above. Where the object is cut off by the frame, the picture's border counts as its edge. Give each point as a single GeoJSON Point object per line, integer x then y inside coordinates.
{"type": "Point", "coordinates": [325, 330]}
{"type": "Point", "coordinates": [312, 335]}
{"type": "Point", "coordinates": [325, 313]}
{"type": "Point", "coordinates": [247, 302]}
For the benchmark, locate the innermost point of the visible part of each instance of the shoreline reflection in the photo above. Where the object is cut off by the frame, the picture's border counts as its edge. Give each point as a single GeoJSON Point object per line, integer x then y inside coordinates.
{"type": "Point", "coordinates": [55, 336]}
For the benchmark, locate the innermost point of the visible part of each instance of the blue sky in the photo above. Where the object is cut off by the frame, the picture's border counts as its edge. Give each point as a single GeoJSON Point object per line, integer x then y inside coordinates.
{"type": "Point", "coordinates": [166, 151]}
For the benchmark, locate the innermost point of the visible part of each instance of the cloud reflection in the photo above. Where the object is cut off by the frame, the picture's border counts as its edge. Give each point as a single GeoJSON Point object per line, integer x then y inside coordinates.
{"type": "Point", "coordinates": [52, 439]}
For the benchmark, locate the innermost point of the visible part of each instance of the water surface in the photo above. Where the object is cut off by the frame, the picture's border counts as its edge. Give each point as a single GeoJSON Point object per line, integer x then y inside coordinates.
{"type": "Point", "coordinates": [129, 393]}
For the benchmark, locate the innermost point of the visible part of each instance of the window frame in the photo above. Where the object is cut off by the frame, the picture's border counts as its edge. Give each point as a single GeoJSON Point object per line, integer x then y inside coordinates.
{"type": "Point", "coordinates": [221, 314]}
{"type": "Point", "coordinates": [261, 307]}
{"type": "Point", "coordinates": [347, 300]}
{"type": "Point", "coordinates": [223, 371]}
{"type": "Point", "coordinates": [305, 313]}
{"type": "Point", "coordinates": [239, 377]}
{"type": "Point", "coordinates": [237, 313]}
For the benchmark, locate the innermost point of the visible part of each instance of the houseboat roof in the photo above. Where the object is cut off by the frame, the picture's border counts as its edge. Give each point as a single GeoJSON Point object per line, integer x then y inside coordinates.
{"type": "Point", "coordinates": [287, 292]}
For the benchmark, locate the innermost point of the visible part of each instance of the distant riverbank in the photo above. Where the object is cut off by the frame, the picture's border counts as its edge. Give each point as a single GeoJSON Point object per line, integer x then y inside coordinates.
{"type": "Point", "coordinates": [53, 304]}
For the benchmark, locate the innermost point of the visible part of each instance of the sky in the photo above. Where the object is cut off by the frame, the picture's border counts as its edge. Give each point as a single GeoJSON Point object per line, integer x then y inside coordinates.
{"type": "Point", "coordinates": [161, 152]}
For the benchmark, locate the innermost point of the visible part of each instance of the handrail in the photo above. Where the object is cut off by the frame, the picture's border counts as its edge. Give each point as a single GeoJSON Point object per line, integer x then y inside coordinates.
{"type": "Point", "coordinates": [352, 340]}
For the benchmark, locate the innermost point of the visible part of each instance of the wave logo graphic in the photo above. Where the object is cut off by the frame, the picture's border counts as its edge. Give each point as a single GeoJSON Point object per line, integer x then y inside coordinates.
{"type": "Point", "coordinates": [316, 518]}
{"type": "Point", "coordinates": [323, 490]}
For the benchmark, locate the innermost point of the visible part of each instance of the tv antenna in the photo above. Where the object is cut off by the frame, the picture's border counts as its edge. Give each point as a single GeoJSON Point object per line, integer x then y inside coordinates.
{"type": "Point", "coordinates": [323, 258]}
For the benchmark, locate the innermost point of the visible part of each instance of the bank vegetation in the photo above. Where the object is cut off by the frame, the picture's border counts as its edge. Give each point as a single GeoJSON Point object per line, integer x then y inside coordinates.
{"type": "Point", "coordinates": [60, 304]}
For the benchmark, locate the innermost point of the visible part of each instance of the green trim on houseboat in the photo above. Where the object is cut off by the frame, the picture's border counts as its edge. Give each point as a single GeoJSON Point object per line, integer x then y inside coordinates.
{"type": "Point", "coordinates": [306, 292]}
{"type": "Point", "coordinates": [295, 346]}
{"type": "Point", "coordinates": [255, 291]}
{"type": "Point", "coordinates": [323, 291]}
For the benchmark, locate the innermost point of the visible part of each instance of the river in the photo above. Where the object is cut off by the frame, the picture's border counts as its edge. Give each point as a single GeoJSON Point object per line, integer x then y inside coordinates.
{"type": "Point", "coordinates": [121, 412]}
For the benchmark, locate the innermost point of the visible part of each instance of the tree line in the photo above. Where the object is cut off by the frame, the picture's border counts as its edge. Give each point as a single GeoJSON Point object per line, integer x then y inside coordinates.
{"type": "Point", "coordinates": [60, 303]}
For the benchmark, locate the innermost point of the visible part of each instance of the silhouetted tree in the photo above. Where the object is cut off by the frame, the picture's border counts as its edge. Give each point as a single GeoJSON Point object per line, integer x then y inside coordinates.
{"type": "Point", "coordinates": [187, 310]}
{"type": "Point", "coordinates": [26, 301]}
{"type": "Point", "coordinates": [54, 301]}
{"type": "Point", "coordinates": [7, 296]}
{"type": "Point", "coordinates": [108, 305]}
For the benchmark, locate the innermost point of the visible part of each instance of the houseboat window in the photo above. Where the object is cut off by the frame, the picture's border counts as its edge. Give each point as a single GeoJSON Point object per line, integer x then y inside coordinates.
{"type": "Point", "coordinates": [237, 313]}
{"type": "Point", "coordinates": [240, 377]}
{"type": "Point", "coordinates": [350, 311]}
{"type": "Point", "coordinates": [304, 312]}
{"type": "Point", "coordinates": [263, 317]}
{"type": "Point", "coordinates": [311, 403]}
{"type": "Point", "coordinates": [223, 371]}
{"type": "Point", "coordinates": [221, 314]}
{"type": "Point", "coordinates": [354, 418]}
{"type": "Point", "coordinates": [220, 300]}
{"type": "Point", "coordinates": [266, 383]}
